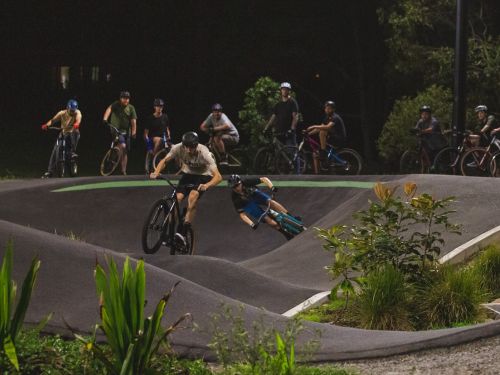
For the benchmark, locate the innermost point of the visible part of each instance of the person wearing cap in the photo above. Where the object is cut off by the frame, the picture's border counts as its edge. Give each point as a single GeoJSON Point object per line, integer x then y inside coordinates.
{"type": "Point", "coordinates": [69, 119]}
{"type": "Point", "coordinates": [157, 129]}
{"type": "Point", "coordinates": [331, 130]}
{"type": "Point", "coordinates": [486, 126]}
{"type": "Point", "coordinates": [121, 114]}
{"type": "Point", "coordinates": [199, 173]}
{"type": "Point", "coordinates": [285, 116]}
{"type": "Point", "coordinates": [432, 137]}
{"type": "Point", "coordinates": [223, 131]}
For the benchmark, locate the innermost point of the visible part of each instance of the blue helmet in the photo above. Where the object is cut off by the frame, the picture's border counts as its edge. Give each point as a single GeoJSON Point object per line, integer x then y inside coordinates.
{"type": "Point", "coordinates": [72, 105]}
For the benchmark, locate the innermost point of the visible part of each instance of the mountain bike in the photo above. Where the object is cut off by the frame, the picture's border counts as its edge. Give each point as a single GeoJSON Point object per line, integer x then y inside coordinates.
{"type": "Point", "coordinates": [447, 161]}
{"type": "Point", "coordinates": [480, 161]}
{"type": "Point", "coordinates": [151, 161]}
{"type": "Point", "coordinates": [415, 160]}
{"type": "Point", "coordinates": [113, 156]}
{"type": "Point", "coordinates": [289, 224]}
{"type": "Point", "coordinates": [344, 161]}
{"type": "Point", "coordinates": [277, 158]}
{"type": "Point", "coordinates": [65, 161]}
{"type": "Point", "coordinates": [163, 221]}
{"type": "Point", "coordinates": [235, 156]}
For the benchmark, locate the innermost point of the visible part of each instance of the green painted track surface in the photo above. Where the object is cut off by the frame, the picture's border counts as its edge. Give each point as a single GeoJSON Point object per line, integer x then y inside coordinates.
{"type": "Point", "coordinates": [147, 183]}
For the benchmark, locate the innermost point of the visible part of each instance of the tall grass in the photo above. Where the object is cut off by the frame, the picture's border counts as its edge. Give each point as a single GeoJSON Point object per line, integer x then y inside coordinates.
{"type": "Point", "coordinates": [453, 298]}
{"type": "Point", "coordinates": [487, 268]}
{"type": "Point", "coordinates": [384, 300]}
{"type": "Point", "coordinates": [11, 315]}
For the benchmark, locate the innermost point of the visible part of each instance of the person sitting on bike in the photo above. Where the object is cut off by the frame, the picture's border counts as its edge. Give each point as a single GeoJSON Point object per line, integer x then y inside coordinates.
{"type": "Point", "coordinates": [248, 199]}
{"type": "Point", "coordinates": [430, 131]}
{"type": "Point", "coordinates": [70, 119]}
{"type": "Point", "coordinates": [157, 127]}
{"type": "Point", "coordinates": [285, 116]}
{"type": "Point", "coordinates": [198, 169]}
{"type": "Point", "coordinates": [122, 115]}
{"type": "Point", "coordinates": [486, 127]}
{"type": "Point", "coordinates": [224, 133]}
{"type": "Point", "coordinates": [331, 130]}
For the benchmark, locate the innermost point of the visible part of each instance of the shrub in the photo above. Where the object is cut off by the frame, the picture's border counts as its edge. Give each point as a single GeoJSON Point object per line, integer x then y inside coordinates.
{"type": "Point", "coordinates": [454, 297]}
{"type": "Point", "coordinates": [487, 268]}
{"type": "Point", "coordinates": [11, 320]}
{"type": "Point", "coordinates": [395, 137]}
{"type": "Point", "coordinates": [384, 300]}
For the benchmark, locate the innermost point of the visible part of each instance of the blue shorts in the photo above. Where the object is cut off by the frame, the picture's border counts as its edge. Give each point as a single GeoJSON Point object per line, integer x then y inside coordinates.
{"type": "Point", "coordinates": [257, 199]}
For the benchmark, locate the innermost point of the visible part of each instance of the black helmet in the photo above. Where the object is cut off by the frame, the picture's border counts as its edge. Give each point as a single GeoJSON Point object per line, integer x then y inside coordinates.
{"type": "Point", "coordinates": [124, 94]}
{"type": "Point", "coordinates": [425, 108]}
{"type": "Point", "coordinates": [190, 139]}
{"type": "Point", "coordinates": [233, 180]}
{"type": "Point", "coordinates": [481, 108]}
{"type": "Point", "coordinates": [158, 103]}
{"type": "Point", "coordinates": [217, 107]}
{"type": "Point", "coordinates": [330, 103]}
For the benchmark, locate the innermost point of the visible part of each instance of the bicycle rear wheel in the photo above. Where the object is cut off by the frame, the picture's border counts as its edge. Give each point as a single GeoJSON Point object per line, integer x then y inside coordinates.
{"type": "Point", "coordinates": [110, 161]}
{"type": "Point", "coordinates": [345, 162]}
{"type": "Point", "coordinates": [157, 227]}
{"type": "Point", "coordinates": [290, 161]}
{"type": "Point", "coordinates": [476, 162]}
{"type": "Point", "coordinates": [447, 161]}
{"type": "Point", "coordinates": [263, 162]}
{"type": "Point", "coordinates": [171, 168]}
{"type": "Point", "coordinates": [495, 165]}
{"type": "Point", "coordinates": [411, 162]}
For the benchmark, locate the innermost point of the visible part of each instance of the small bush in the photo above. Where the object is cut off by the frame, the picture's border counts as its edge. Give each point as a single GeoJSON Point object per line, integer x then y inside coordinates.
{"type": "Point", "coordinates": [454, 297]}
{"type": "Point", "coordinates": [384, 300]}
{"type": "Point", "coordinates": [487, 268]}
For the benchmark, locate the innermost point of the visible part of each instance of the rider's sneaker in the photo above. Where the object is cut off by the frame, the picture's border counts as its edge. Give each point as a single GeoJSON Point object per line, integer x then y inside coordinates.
{"type": "Point", "coordinates": [180, 239]}
{"type": "Point", "coordinates": [472, 164]}
{"type": "Point", "coordinates": [223, 160]}
{"type": "Point", "coordinates": [47, 175]}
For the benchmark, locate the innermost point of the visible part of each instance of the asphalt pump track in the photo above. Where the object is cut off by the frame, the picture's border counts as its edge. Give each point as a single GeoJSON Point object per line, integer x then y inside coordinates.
{"type": "Point", "coordinates": [72, 223]}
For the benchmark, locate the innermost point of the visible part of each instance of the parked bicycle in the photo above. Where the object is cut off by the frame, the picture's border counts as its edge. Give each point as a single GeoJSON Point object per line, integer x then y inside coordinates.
{"type": "Point", "coordinates": [415, 160]}
{"type": "Point", "coordinates": [235, 156]}
{"type": "Point", "coordinates": [481, 161]}
{"type": "Point", "coordinates": [65, 162]}
{"type": "Point", "coordinates": [113, 156]}
{"type": "Point", "coordinates": [277, 158]}
{"type": "Point", "coordinates": [289, 224]}
{"type": "Point", "coordinates": [163, 221]}
{"type": "Point", "coordinates": [447, 161]}
{"type": "Point", "coordinates": [344, 161]}
{"type": "Point", "coordinates": [151, 161]}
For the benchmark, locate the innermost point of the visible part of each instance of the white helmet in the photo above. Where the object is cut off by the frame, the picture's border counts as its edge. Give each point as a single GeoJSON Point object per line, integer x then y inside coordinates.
{"type": "Point", "coordinates": [285, 85]}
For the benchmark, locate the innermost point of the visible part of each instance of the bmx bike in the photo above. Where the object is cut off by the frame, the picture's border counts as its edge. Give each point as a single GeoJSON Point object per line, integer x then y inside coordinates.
{"type": "Point", "coordinates": [65, 162]}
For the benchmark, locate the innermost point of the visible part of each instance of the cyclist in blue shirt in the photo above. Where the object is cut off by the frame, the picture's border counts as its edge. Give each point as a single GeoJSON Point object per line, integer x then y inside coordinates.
{"type": "Point", "coordinates": [248, 199]}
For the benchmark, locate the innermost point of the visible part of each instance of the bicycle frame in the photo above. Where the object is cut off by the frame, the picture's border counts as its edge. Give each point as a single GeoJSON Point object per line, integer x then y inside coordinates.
{"type": "Point", "coordinates": [315, 147]}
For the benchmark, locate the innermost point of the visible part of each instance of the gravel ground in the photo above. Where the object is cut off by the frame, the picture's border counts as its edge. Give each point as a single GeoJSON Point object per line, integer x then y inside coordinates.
{"type": "Point", "coordinates": [479, 357]}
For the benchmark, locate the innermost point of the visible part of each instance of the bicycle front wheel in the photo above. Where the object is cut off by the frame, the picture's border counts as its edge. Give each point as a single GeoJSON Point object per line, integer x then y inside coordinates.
{"type": "Point", "coordinates": [350, 164]}
{"type": "Point", "coordinates": [476, 162]}
{"type": "Point", "coordinates": [157, 227]}
{"type": "Point", "coordinates": [110, 161]}
{"type": "Point", "coordinates": [290, 161]}
{"type": "Point", "coordinates": [411, 162]}
{"type": "Point", "coordinates": [447, 161]}
{"type": "Point", "coordinates": [263, 162]}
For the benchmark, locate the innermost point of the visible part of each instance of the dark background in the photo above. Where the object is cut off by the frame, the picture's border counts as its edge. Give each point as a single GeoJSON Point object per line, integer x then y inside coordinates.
{"type": "Point", "coordinates": [190, 53]}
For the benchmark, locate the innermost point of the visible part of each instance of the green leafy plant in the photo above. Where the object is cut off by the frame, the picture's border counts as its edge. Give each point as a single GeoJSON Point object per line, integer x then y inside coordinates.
{"type": "Point", "coordinates": [487, 267]}
{"type": "Point", "coordinates": [281, 362]}
{"type": "Point", "coordinates": [133, 338]}
{"type": "Point", "coordinates": [11, 315]}
{"type": "Point", "coordinates": [384, 300]}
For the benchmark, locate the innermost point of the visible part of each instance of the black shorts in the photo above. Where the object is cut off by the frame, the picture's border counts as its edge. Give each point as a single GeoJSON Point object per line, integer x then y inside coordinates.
{"type": "Point", "coordinates": [191, 179]}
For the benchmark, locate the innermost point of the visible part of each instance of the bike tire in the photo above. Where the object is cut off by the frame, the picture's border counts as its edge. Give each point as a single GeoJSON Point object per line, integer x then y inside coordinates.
{"type": "Point", "coordinates": [411, 162]}
{"type": "Point", "coordinates": [298, 228]}
{"type": "Point", "coordinates": [110, 161]}
{"type": "Point", "coordinates": [156, 226]}
{"type": "Point", "coordinates": [471, 165]}
{"type": "Point", "coordinates": [263, 163]}
{"type": "Point", "coordinates": [447, 161]}
{"type": "Point", "coordinates": [148, 162]}
{"type": "Point", "coordinates": [353, 159]}
{"type": "Point", "coordinates": [290, 161]}
{"type": "Point", "coordinates": [495, 165]}
{"type": "Point", "coordinates": [171, 168]}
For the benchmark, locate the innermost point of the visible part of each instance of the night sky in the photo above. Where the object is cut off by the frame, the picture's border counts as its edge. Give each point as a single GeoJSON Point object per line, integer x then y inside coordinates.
{"type": "Point", "coordinates": [190, 53]}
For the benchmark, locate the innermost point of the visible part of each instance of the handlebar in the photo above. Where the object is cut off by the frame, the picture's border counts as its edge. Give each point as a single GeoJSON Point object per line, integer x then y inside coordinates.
{"type": "Point", "coordinates": [188, 186]}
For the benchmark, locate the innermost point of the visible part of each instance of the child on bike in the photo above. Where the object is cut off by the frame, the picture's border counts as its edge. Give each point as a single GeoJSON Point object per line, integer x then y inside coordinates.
{"type": "Point", "coordinates": [248, 199]}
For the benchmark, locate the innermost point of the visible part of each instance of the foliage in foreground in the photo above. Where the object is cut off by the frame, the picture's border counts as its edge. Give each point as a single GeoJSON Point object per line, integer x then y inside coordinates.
{"type": "Point", "coordinates": [11, 315]}
{"type": "Point", "coordinates": [487, 267]}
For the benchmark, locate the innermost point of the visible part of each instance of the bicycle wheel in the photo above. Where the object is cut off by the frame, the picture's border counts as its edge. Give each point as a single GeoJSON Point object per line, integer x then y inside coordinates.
{"type": "Point", "coordinates": [263, 163]}
{"type": "Point", "coordinates": [171, 168]}
{"type": "Point", "coordinates": [110, 161]}
{"type": "Point", "coordinates": [476, 162]}
{"type": "Point", "coordinates": [156, 228]}
{"type": "Point", "coordinates": [495, 165]}
{"type": "Point", "coordinates": [447, 161]}
{"type": "Point", "coordinates": [292, 226]}
{"type": "Point", "coordinates": [345, 162]}
{"type": "Point", "coordinates": [290, 161]}
{"type": "Point", "coordinates": [411, 162]}
{"type": "Point", "coordinates": [148, 162]}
